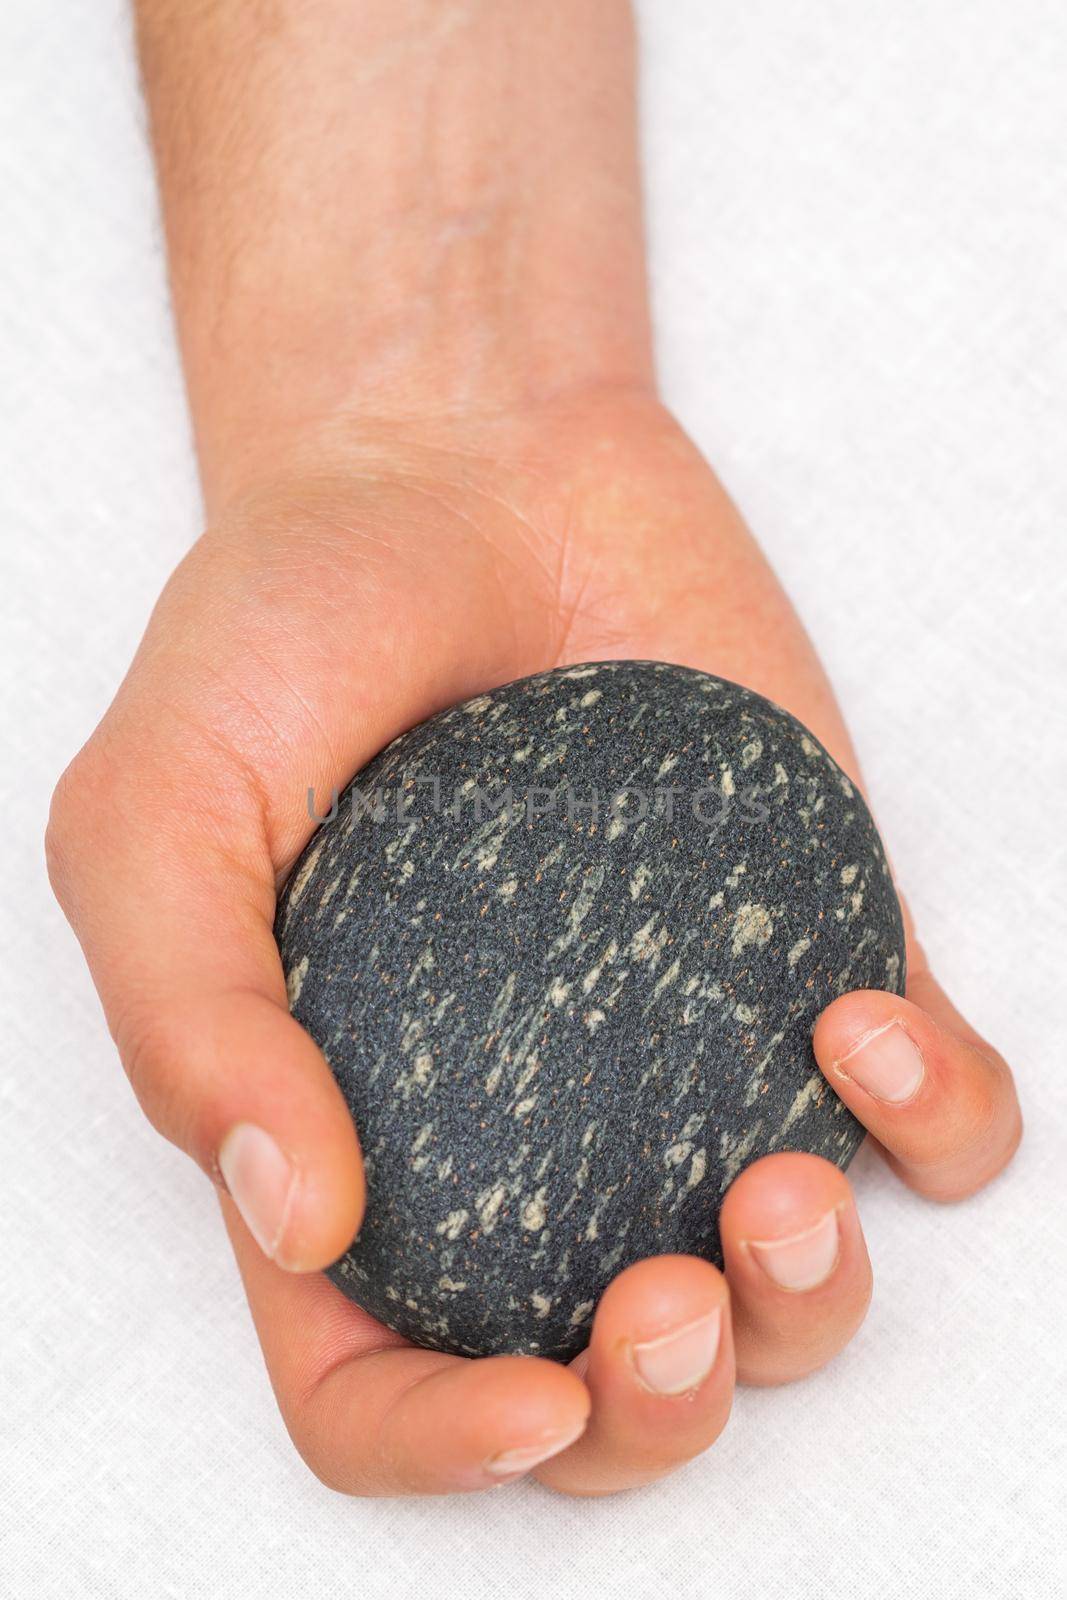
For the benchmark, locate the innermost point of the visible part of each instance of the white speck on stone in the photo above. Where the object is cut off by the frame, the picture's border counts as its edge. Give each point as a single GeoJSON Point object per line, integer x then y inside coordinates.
{"type": "Point", "coordinates": [295, 981]}
{"type": "Point", "coordinates": [668, 978]}
{"type": "Point", "coordinates": [580, 907]}
{"type": "Point", "coordinates": [452, 1226]}
{"type": "Point", "coordinates": [528, 1073]}
{"type": "Point", "coordinates": [848, 874]}
{"type": "Point", "coordinates": [798, 950]}
{"type": "Point", "coordinates": [488, 1206]}
{"type": "Point", "coordinates": [541, 1303]}
{"type": "Point", "coordinates": [449, 1285]}
{"type": "Point", "coordinates": [801, 1101]}
{"type": "Point", "coordinates": [533, 1212]}
{"type": "Point", "coordinates": [329, 892]}
{"type": "Point", "coordinates": [592, 977]}
{"type": "Point", "coordinates": [413, 1032]}
{"type": "Point", "coordinates": [752, 926]}
{"type": "Point", "coordinates": [591, 696]}
{"type": "Point", "coordinates": [644, 945]}
{"type": "Point", "coordinates": [752, 752]}
{"type": "Point", "coordinates": [502, 1002]}
{"type": "Point", "coordinates": [698, 1167]}
{"type": "Point", "coordinates": [640, 881]}
{"type": "Point", "coordinates": [300, 882]}
{"type": "Point", "coordinates": [425, 962]}
{"type": "Point", "coordinates": [734, 1149]}
{"type": "Point", "coordinates": [581, 1313]}
{"type": "Point", "coordinates": [396, 847]}
{"type": "Point", "coordinates": [558, 992]}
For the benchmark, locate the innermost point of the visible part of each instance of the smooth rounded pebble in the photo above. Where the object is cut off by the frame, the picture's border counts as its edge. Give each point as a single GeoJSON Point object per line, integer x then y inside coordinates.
{"type": "Point", "coordinates": [564, 946]}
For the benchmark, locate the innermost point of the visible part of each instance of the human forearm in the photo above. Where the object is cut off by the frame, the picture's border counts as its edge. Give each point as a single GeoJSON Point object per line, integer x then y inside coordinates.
{"type": "Point", "coordinates": [385, 208]}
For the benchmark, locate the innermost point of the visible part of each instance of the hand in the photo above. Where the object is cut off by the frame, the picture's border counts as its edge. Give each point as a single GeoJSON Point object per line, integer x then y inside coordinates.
{"type": "Point", "coordinates": [370, 577]}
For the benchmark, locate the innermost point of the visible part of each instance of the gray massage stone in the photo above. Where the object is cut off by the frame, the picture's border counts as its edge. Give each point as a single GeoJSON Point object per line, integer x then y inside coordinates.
{"type": "Point", "coordinates": [564, 947]}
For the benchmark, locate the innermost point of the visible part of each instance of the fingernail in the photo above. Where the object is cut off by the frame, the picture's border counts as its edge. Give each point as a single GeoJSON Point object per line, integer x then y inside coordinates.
{"type": "Point", "coordinates": [887, 1063]}
{"type": "Point", "coordinates": [261, 1182]}
{"type": "Point", "coordinates": [512, 1463]}
{"type": "Point", "coordinates": [679, 1361]}
{"type": "Point", "coordinates": [802, 1261]}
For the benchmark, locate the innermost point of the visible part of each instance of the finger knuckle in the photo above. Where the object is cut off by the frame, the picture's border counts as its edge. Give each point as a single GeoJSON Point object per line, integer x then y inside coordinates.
{"type": "Point", "coordinates": [969, 1131]}
{"type": "Point", "coordinates": [333, 1467]}
{"type": "Point", "coordinates": [153, 1043]}
{"type": "Point", "coordinates": [323, 1467]}
{"type": "Point", "coordinates": [75, 801]}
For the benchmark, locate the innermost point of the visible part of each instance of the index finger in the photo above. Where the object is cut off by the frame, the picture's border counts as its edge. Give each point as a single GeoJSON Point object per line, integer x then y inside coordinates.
{"type": "Point", "coordinates": [171, 894]}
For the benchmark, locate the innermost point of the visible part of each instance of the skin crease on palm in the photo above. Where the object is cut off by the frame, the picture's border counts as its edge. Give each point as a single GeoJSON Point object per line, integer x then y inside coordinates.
{"type": "Point", "coordinates": [445, 468]}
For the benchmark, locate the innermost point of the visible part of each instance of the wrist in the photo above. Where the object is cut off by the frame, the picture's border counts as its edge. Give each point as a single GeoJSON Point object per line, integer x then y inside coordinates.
{"type": "Point", "coordinates": [394, 219]}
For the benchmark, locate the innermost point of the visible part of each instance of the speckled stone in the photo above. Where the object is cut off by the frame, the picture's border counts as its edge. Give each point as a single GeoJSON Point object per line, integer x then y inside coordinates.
{"type": "Point", "coordinates": [563, 947]}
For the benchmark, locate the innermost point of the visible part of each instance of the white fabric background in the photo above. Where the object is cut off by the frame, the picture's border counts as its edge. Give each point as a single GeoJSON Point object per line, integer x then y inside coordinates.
{"type": "Point", "coordinates": [859, 236]}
